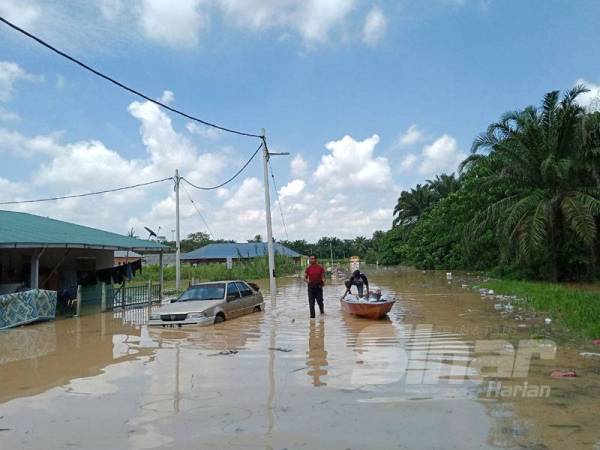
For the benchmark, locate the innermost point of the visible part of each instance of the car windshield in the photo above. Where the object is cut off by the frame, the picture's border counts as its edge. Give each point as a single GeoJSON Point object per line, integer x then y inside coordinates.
{"type": "Point", "coordinates": [215, 291]}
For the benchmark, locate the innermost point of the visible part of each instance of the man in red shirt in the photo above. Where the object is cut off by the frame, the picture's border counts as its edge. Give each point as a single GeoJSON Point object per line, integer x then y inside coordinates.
{"type": "Point", "coordinates": [314, 275]}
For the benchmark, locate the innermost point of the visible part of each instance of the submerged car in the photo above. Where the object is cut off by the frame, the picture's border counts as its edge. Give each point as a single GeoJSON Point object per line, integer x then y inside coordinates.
{"type": "Point", "coordinates": [208, 303]}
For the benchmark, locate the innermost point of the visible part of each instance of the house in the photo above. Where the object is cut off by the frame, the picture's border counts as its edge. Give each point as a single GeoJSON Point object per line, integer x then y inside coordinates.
{"type": "Point", "coordinates": [39, 252]}
{"type": "Point", "coordinates": [125, 257]}
{"type": "Point", "coordinates": [219, 253]}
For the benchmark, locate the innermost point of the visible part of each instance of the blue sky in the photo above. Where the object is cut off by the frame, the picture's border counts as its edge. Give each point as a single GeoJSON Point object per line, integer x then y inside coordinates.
{"type": "Point", "coordinates": [322, 76]}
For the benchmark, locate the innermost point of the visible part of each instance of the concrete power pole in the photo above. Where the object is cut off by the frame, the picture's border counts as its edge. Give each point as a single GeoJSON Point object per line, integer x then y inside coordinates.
{"type": "Point", "coordinates": [272, 284]}
{"type": "Point", "coordinates": [177, 237]}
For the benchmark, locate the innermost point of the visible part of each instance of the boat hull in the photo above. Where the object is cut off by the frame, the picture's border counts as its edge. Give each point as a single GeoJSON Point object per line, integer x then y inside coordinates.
{"type": "Point", "coordinates": [368, 310]}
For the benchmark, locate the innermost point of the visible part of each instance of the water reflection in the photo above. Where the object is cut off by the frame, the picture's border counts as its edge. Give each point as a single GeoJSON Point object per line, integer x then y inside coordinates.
{"type": "Point", "coordinates": [317, 355]}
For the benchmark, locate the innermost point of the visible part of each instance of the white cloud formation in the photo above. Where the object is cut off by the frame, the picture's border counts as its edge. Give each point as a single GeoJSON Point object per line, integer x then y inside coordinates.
{"type": "Point", "coordinates": [7, 115]}
{"type": "Point", "coordinates": [292, 189]}
{"type": "Point", "coordinates": [167, 97]}
{"type": "Point", "coordinates": [351, 164]}
{"type": "Point", "coordinates": [14, 143]}
{"type": "Point", "coordinates": [173, 23]}
{"type": "Point", "coordinates": [10, 73]}
{"type": "Point", "coordinates": [442, 156]}
{"type": "Point", "coordinates": [375, 26]}
{"type": "Point", "coordinates": [24, 13]}
{"type": "Point", "coordinates": [210, 133]}
{"type": "Point", "coordinates": [312, 19]}
{"type": "Point", "coordinates": [408, 162]}
{"type": "Point", "coordinates": [298, 166]}
{"type": "Point", "coordinates": [591, 99]}
{"type": "Point", "coordinates": [413, 135]}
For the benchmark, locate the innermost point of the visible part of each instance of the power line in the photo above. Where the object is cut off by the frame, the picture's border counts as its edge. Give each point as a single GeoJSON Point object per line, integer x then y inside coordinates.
{"type": "Point", "coordinates": [278, 201]}
{"type": "Point", "coordinates": [123, 86]}
{"type": "Point", "coordinates": [197, 210]}
{"type": "Point", "coordinates": [87, 194]}
{"type": "Point", "coordinates": [230, 179]}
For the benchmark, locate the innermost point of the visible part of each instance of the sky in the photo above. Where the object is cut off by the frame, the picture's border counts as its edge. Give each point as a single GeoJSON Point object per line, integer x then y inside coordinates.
{"type": "Point", "coordinates": [369, 98]}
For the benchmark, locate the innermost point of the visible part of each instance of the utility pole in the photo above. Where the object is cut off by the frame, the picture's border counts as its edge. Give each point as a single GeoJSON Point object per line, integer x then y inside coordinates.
{"type": "Point", "coordinates": [177, 242]}
{"type": "Point", "coordinates": [272, 283]}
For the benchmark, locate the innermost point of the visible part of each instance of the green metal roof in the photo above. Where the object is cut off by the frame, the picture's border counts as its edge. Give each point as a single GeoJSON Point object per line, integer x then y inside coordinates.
{"type": "Point", "coordinates": [22, 230]}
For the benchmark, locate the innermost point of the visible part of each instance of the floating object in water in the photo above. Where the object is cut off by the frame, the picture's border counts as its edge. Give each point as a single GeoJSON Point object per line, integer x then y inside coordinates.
{"type": "Point", "coordinates": [449, 276]}
{"type": "Point", "coordinates": [563, 374]}
{"type": "Point", "coordinates": [490, 292]}
{"type": "Point", "coordinates": [596, 342]}
{"type": "Point", "coordinates": [280, 349]}
{"type": "Point", "coordinates": [548, 320]}
{"type": "Point", "coordinates": [225, 353]}
{"type": "Point", "coordinates": [464, 286]}
{"type": "Point", "coordinates": [371, 309]}
{"type": "Point", "coordinates": [589, 354]}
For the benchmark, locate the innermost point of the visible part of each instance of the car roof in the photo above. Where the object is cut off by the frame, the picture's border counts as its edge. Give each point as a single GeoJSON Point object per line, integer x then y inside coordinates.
{"type": "Point", "coordinates": [220, 281]}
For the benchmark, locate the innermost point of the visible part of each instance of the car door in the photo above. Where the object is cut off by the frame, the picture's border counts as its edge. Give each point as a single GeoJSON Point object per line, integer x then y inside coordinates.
{"type": "Point", "coordinates": [233, 305]}
{"type": "Point", "coordinates": [248, 298]}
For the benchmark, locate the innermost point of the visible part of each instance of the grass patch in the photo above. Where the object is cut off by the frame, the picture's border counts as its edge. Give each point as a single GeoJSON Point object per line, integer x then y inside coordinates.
{"type": "Point", "coordinates": [578, 310]}
{"type": "Point", "coordinates": [253, 269]}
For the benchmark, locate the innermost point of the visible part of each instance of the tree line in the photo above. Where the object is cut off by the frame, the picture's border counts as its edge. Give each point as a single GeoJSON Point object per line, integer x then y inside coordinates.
{"type": "Point", "coordinates": [525, 203]}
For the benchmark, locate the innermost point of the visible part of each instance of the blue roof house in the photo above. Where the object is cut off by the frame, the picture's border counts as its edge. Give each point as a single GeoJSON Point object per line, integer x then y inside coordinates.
{"type": "Point", "coordinates": [213, 253]}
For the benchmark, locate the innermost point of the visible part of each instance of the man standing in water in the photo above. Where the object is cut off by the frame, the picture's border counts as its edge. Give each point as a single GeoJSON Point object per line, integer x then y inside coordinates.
{"type": "Point", "coordinates": [314, 275]}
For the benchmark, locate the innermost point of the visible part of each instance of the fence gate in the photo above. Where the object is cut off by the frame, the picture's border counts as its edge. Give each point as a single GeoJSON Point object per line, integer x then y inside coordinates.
{"type": "Point", "coordinates": [131, 296]}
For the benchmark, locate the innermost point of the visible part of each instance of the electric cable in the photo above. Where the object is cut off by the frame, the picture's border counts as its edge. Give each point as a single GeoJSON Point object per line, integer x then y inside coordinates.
{"type": "Point", "coordinates": [87, 194]}
{"type": "Point", "coordinates": [202, 188]}
{"type": "Point", "coordinates": [287, 237]}
{"type": "Point", "coordinates": [198, 211]}
{"type": "Point", "coordinates": [123, 86]}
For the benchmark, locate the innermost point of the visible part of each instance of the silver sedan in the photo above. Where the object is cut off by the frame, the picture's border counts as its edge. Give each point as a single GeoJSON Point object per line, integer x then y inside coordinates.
{"type": "Point", "coordinates": [208, 303]}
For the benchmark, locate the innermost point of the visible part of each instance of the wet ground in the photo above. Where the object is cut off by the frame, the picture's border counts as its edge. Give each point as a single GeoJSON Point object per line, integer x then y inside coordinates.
{"type": "Point", "coordinates": [277, 380]}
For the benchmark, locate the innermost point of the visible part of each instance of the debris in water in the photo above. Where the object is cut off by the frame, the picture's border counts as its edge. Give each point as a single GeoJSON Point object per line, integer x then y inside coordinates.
{"type": "Point", "coordinates": [548, 320]}
{"type": "Point", "coordinates": [279, 349]}
{"type": "Point", "coordinates": [589, 354]}
{"type": "Point", "coordinates": [596, 341]}
{"type": "Point", "coordinates": [563, 374]}
{"type": "Point", "coordinates": [225, 353]}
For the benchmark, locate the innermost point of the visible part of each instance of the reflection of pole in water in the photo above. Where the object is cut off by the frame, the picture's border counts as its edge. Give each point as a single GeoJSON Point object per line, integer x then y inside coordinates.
{"type": "Point", "coordinates": [317, 356]}
{"type": "Point", "coordinates": [177, 394]}
{"type": "Point", "coordinates": [271, 375]}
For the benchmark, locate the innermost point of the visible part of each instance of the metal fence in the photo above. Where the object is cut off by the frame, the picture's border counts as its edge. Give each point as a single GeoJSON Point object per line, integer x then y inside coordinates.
{"type": "Point", "coordinates": [131, 296]}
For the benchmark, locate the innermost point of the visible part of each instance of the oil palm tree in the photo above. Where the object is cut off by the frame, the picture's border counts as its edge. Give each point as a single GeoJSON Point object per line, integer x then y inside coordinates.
{"type": "Point", "coordinates": [540, 156]}
{"type": "Point", "coordinates": [411, 204]}
{"type": "Point", "coordinates": [444, 185]}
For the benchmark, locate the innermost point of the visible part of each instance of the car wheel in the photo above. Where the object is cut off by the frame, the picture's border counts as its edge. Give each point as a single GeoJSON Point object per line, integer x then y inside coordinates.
{"type": "Point", "coordinates": [219, 318]}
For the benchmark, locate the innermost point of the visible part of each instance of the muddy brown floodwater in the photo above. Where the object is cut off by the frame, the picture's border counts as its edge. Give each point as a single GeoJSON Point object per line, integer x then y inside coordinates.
{"type": "Point", "coordinates": [423, 378]}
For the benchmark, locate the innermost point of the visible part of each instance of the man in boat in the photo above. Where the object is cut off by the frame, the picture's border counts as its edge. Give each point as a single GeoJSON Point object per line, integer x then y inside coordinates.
{"type": "Point", "coordinates": [359, 280]}
{"type": "Point", "coordinates": [314, 276]}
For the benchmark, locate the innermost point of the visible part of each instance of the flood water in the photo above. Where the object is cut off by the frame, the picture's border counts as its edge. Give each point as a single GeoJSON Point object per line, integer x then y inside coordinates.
{"type": "Point", "coordinates": [278, 380]}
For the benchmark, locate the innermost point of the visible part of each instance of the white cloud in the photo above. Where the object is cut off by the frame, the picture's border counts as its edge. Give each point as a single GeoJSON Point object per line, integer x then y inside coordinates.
{"type": "Point", "coordinates": [442, 156]}
{"type": "Point", "coordinates": [210, 133]}
{"type": "Point", "coordinates": [408, 161]}
{"type": "Point", "coordinates": [351, 164]}
{"type": "Point", "coordinates": [22, 146]}
{"type": "Point", "coordinates": [312, 19]}
{"type": "Point", "coordinates": [413, 135]}
{"type": "Point", "coordinates": [298, 166]}
{"type": "Point", "coordinates": [589, 99]}
{"type": "Point", "coordinates": [111, 9]}
{"type": "Point", "coordinates": [24, 13]}
{"type": "Point", "coordinates": [292, 189]}
{"type": "Point", "coordinates": [10, 73]}
{"type": "Point", "coordinates": [247, 196]}
{"type": "Point", "coordinates": [7, 115]}
{"type": "Point", "coordinates": [167, 97]}
{"type": "Point", "coordinates": [176, 24]}
{"type": "Point", "coordinates": [375, 26]}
